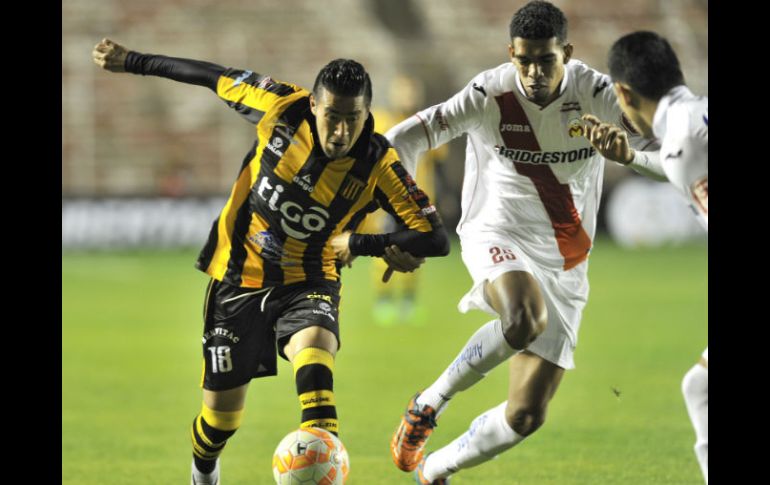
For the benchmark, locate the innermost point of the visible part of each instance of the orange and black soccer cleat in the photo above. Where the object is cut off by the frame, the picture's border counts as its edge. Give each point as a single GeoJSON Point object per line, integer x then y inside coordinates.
{"type": "Point", "coordinates": [409, 439]}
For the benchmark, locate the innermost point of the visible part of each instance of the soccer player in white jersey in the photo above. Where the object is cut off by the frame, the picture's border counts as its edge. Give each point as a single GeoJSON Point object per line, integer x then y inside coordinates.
{"type": "Point", "coordinates": [651, 91]}
{"type": "Point", "coordinates": [529, 203]}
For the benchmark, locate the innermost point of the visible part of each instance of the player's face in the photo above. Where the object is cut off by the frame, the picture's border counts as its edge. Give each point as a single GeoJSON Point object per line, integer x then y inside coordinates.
{"type": "Point", "coordinates": [339, 121]}
{"type": "Point", "coordinates": [631, 111]}
{"type": "Point", "coordinates": [540, 63]}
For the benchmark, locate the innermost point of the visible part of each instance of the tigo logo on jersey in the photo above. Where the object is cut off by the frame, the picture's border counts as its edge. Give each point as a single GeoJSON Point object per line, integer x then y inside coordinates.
{"type": "Point", "coordinates": [313, 219]}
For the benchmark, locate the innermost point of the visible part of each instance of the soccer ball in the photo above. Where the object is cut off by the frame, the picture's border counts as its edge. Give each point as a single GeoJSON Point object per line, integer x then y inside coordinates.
{"type": "Point", "coordinates": [310, 456]}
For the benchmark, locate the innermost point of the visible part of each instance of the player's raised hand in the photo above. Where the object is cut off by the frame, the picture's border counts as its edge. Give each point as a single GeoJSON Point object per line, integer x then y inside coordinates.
{"type": "Point", "coordinates": [398, 260]}
{"type": "Point", "coordinates": [611, 141]}
{"type": "Point", "coordinates": [110, 56]}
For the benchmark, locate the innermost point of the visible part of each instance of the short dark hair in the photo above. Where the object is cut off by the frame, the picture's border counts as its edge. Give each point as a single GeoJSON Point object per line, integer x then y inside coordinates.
{"type": "Point", "coordinates": [646, 62]}
{"type": "Point", "coordinates": [345, 77]}
{"type": "Point", "coordinates": [539, 20]}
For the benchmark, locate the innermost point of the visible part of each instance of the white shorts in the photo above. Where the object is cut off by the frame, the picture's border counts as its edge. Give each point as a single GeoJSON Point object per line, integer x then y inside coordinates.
{"type": "Point", "coordinates": [487, 256]}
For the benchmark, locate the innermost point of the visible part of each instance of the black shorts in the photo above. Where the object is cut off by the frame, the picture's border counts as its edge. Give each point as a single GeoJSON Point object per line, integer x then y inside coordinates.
{"type": "Point", "coordinates": [244, 328]}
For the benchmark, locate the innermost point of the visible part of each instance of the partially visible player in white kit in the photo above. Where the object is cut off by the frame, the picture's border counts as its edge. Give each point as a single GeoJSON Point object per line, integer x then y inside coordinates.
{"type": "Point", "coordinates": [529, 204]}
{"type": "Point", "coordinates": [650, 87]}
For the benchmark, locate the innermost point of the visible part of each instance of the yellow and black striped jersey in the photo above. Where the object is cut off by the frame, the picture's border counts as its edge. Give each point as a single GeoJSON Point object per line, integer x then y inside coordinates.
{"type": "Point", "coordinates": [289, 199]}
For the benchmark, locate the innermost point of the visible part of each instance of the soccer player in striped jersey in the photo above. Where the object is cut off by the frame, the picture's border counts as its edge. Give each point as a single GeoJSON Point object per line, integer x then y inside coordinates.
{"type": "Point", "coordinates": [530, 198]}
{"type": "Point", "coordinates": [276, 250]}
{"type": "Point", "coordinates": [652, 93]}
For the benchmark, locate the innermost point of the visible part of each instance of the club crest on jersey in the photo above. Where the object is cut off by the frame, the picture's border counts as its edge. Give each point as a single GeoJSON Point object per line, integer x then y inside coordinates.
{"type": "Point", "coordinates": [575, 128]}
{"type": "Point", "coordinates": [352, 187]}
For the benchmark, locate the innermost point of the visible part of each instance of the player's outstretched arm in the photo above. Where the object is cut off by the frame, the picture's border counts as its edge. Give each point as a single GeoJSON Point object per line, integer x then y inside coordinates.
{"type": "Point", "coordinates": [113, 57]}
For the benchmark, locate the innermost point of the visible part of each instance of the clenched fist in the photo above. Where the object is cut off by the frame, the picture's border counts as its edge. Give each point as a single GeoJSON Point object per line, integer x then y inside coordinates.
{"type": "Point", "coordinates": [110, 56]}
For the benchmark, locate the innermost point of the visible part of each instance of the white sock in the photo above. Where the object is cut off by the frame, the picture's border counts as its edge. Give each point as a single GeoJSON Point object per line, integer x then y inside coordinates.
{"type": "Point", "coordinates": [488, 436]}
{"type": "Point", "coordinates": [695, 387]}
{"type": "Point", "coordinates": [485, 350]}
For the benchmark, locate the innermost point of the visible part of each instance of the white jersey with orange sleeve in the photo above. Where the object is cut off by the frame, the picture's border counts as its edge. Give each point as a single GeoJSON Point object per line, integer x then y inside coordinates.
{"type": "Point", "coordinates": [681, 121]}
{"type": "Point", "coordinates": [529, 172]}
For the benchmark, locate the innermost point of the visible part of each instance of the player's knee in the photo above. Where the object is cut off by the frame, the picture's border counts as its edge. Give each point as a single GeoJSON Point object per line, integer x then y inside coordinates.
{"type": "Point", "coordinates": [524, 420]}
{"type": "Point", "coordinates": [524, 324]}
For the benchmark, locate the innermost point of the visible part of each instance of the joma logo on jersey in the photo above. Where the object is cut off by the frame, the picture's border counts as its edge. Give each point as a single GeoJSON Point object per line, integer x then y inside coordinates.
{"type": "Point", "coordinates": [313, 219]}
{"type": "Point", "coordinates": [515, 128]}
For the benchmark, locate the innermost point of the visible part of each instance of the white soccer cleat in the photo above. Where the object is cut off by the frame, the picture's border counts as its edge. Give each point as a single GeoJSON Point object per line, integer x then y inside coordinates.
{"type": "Point", "coordinates": [199, 478]}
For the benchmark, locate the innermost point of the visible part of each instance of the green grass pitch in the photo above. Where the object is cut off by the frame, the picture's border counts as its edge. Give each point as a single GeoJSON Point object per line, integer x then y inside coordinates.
{"type": "Point", "coordinates": [131, 361]}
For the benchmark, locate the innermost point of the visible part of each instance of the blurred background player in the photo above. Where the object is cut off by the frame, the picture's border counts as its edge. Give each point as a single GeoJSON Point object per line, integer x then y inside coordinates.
{"type": "Point", "coordinates": [651, 91]}
{"type": "Point", "coordinates": [530, 199]}
{"type": "Point", "coordinates": [275, 253]}
{"type": "Point", "coordinates": [397, 300]}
